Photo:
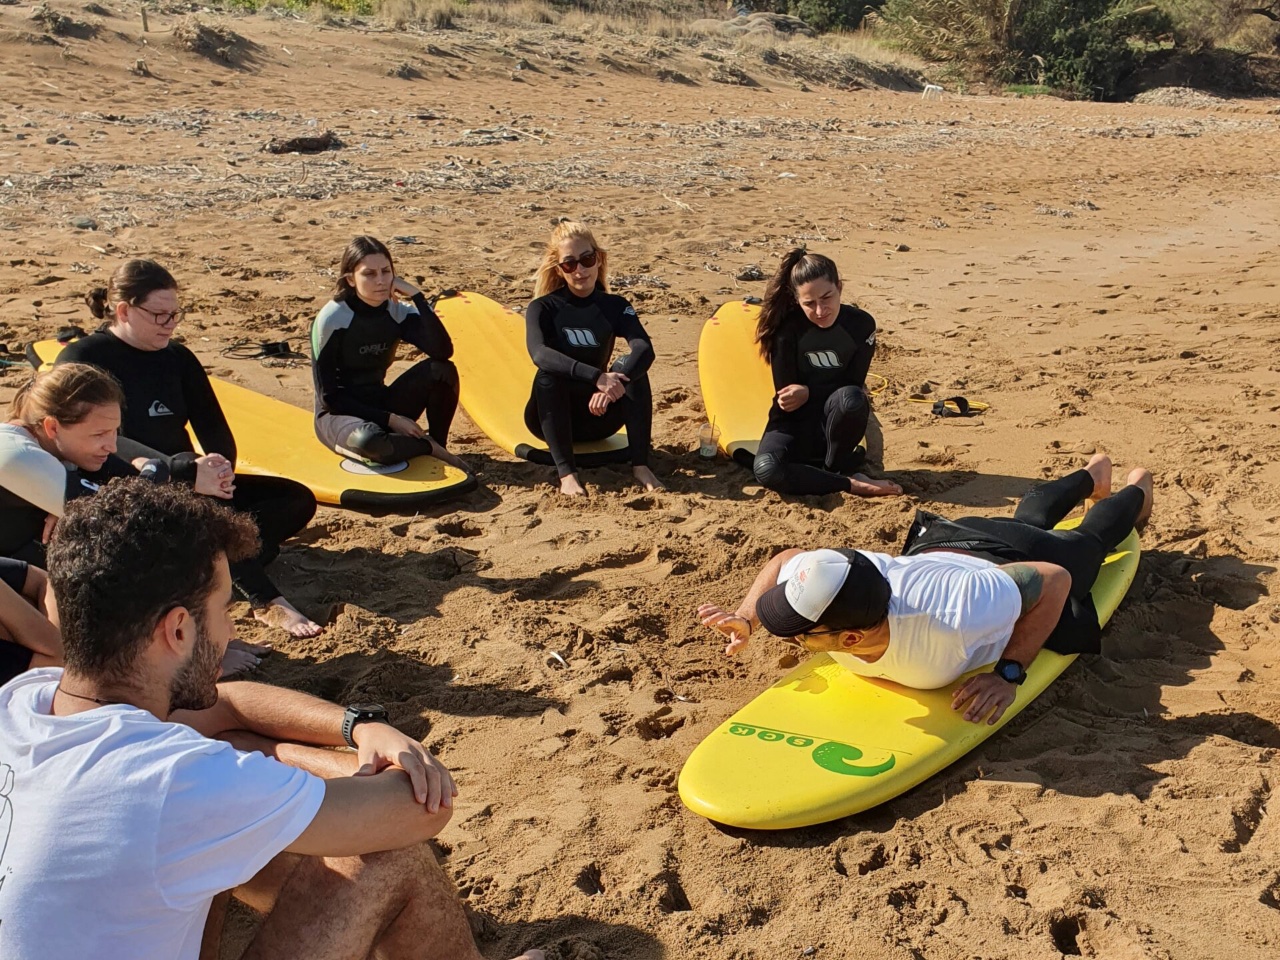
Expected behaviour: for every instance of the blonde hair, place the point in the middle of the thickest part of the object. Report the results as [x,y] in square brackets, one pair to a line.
[67,393]
[549,276]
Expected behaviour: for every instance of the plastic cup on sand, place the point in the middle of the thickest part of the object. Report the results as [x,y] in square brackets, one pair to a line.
[708,440]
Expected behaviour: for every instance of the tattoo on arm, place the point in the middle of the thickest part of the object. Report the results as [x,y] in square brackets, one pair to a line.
[1029,581]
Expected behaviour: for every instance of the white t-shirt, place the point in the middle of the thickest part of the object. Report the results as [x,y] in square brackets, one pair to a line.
[121,827]
[948,613]
[29,471]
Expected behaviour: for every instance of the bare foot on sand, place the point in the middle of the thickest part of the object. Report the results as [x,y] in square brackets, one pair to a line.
[1141,477]
[647,479]
[283,614]
[863,486]
[531,955]
[570,486]
[238,661]
[1099,467]
[443,455]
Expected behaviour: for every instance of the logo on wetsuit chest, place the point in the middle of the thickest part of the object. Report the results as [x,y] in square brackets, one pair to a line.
[581,337]
[373,348]
[158,409]
[824,359]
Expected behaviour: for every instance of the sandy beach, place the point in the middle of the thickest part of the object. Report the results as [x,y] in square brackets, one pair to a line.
[1103,275]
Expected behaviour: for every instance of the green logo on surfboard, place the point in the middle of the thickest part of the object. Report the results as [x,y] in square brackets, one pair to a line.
[830,755]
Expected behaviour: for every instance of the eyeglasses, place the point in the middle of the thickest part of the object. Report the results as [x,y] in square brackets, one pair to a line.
[570,264]
[162,319]
[801,639]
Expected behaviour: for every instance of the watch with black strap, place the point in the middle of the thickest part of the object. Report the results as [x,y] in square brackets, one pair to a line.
[359,713]
[1010,670]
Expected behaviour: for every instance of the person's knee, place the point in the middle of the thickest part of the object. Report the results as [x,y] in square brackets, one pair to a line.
[370,442]
[848,400]
[443,371]
[770,471]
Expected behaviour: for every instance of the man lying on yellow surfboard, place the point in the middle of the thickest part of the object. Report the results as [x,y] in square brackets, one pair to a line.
[964,593]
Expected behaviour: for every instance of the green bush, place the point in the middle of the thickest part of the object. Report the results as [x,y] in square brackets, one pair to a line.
[827,15]
[1087,47]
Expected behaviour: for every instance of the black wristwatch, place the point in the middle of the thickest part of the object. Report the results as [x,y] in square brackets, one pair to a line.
[1011,670]
[359,713]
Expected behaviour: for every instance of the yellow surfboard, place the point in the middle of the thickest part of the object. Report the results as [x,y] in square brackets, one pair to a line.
[496,376]
[277,439]
[824,743]
[737,384]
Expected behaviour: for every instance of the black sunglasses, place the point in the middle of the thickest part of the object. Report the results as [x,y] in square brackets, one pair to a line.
[570,264]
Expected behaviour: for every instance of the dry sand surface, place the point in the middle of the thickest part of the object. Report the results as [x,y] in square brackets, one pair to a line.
[1105,276]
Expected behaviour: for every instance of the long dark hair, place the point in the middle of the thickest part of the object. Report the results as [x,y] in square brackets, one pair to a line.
[798,267]
[133,282]
[359,248]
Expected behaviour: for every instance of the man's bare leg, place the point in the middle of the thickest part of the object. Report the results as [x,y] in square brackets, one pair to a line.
[392,905]
[1099,467]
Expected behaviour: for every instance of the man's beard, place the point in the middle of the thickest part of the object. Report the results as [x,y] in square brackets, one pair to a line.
[195,686]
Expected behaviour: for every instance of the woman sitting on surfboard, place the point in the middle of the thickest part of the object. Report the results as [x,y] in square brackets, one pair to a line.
[819,351]
[963,594]
[571,329]
[353,343]
[165,389]
[60,444]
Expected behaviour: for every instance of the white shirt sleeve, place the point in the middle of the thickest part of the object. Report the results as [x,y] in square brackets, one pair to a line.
[225,815]
[30,472]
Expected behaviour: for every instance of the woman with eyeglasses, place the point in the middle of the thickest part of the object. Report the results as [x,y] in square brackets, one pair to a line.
[353,343]
[165,389]
[819,350]
[571,329]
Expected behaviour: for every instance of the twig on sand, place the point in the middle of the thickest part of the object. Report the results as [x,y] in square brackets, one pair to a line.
[677,203]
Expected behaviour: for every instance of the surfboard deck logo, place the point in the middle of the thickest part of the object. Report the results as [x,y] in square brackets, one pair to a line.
[831,755]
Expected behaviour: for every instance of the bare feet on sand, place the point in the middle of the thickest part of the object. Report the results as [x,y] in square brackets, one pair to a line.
[863,486]
[570,486]
[283,614]
[1141,477]
[1099,467]
[646,479]
[242,657]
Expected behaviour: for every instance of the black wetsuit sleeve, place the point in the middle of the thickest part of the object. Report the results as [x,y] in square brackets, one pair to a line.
[82,483]
[632,330]
[548,359]
[335,397]
[208,422]
[426,332]
[180,468]
[782,360]
[866,328]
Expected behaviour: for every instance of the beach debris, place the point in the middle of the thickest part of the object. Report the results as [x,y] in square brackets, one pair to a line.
[404,71]
[731,75]
[326,141]
[751,271]
[554,657]
[408,241]
[196,36]
[84,223]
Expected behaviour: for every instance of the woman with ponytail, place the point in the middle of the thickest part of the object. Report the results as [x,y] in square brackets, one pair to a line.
[166,389]
[571,328]
[819,350]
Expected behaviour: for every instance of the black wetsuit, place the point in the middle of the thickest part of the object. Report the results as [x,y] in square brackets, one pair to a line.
[14,657]
[571,341]
[814,449]
[164,391]
[1029,535]
[353,346]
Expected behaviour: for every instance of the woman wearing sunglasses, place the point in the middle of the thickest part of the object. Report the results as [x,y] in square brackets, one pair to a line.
[353,342]
[571,329]
[819,351]
[166,389]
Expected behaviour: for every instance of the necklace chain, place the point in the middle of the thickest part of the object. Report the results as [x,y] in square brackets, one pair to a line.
[81,696]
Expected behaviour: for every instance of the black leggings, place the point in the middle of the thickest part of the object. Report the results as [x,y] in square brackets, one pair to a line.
[789,452]
[281,508]
[1081,550]
[557,413]
[429,386]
